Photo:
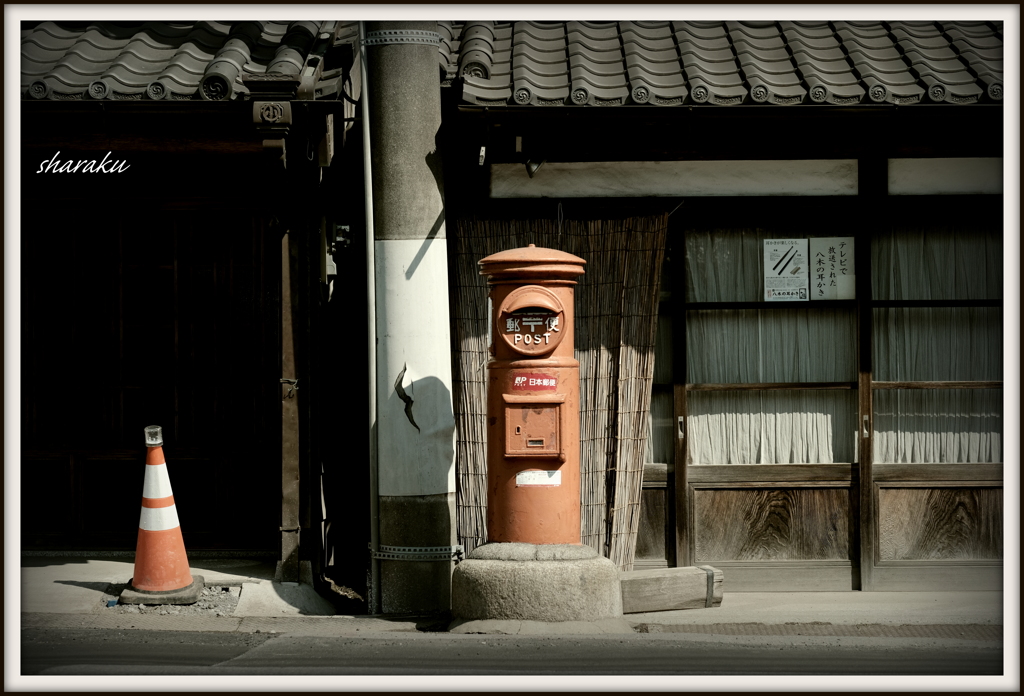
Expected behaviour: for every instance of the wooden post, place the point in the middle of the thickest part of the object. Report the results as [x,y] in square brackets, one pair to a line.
[872,190]
[289,562]
[680,505]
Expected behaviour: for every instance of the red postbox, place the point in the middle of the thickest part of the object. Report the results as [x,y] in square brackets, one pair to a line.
[533,387]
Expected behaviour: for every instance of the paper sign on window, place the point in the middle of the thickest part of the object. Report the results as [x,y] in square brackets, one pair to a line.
[786,271]
[833,276]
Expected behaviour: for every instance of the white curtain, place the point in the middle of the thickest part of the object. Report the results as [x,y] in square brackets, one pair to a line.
[929,263]
[932,426]
[726,265]
[661,434]
[771,345]
[772,427]
[782,344]
[938,344]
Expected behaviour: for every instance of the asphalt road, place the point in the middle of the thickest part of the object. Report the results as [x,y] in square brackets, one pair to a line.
[140,652]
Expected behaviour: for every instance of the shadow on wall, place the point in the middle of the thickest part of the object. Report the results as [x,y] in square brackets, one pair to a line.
[420,463]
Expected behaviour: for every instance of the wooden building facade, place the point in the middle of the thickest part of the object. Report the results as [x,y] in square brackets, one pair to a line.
[832,444]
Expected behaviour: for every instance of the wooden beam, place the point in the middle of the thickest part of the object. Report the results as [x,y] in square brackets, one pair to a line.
[770,386]
[937,303]
[761,304]
[671,589]
[937,385]
[669,178]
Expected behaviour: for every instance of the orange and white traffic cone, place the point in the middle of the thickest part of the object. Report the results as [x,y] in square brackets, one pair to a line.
[161,566]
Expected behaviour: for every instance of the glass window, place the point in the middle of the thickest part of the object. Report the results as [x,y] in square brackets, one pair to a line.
[772,427]
[772,345]
[932,426]
[938,344]
[937,263]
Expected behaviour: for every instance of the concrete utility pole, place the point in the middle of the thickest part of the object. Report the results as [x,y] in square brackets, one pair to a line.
[415,421]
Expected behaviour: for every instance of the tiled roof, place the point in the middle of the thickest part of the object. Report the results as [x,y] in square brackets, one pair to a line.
[177,60]
[723,63]
[534,63]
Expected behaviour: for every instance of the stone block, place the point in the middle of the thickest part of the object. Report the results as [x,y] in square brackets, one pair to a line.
[531,590]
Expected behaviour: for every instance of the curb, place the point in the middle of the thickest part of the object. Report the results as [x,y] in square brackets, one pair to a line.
[316,625]
[978,632]
[367,625]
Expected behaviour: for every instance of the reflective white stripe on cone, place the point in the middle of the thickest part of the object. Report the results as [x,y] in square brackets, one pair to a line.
[161,564]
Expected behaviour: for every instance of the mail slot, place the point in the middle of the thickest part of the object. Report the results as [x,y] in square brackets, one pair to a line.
[533,427]
[533,472]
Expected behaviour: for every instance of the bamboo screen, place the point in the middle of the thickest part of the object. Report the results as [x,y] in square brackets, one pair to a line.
[616,317]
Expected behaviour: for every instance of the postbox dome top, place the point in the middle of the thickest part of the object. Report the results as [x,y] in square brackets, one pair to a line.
[532,262]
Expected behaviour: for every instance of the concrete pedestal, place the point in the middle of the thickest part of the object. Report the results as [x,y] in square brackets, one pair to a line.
[550,583]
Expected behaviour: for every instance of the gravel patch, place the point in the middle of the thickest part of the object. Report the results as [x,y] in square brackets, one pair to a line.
[216,600]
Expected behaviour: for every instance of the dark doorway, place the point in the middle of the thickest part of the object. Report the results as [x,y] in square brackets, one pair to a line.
[167,317]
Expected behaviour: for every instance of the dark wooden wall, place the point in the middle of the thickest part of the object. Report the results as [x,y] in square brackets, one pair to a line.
[140,319]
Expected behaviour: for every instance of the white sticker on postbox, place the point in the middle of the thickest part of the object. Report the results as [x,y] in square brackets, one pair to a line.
[538,478]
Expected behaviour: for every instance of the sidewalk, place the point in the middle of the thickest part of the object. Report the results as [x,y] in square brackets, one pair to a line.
[68,592]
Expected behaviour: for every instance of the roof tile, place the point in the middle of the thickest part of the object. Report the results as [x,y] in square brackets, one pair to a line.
[689,51]
[973,29]
[577,39]
[702,91]
[553,31]
[542,63]
[656,89]
[592,31]
[807,30]
[861,30]
[596,67]
[915,30]
[701,32]
[823,44]
[654,31]
[486,92]
[759,53]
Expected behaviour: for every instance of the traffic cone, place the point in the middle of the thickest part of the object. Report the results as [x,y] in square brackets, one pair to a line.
[161,566]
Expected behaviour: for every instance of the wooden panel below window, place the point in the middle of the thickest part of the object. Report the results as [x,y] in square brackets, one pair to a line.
[650,540]
[940,523]
[771,524]
[948,576]
[786,576]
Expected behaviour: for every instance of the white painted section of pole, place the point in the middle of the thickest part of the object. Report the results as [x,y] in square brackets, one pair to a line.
[703,178]
[371,331]
[945,176]
[416,445]
[156,483]
[159,519]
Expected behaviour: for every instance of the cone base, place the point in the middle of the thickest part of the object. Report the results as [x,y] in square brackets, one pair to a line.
[186,595]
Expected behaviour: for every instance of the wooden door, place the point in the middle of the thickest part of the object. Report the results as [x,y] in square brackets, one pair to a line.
[933,517]
[868,459]
[766,413]
[167,318]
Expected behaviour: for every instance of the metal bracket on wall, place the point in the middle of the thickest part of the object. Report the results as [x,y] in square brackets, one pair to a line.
[402,36]
[418,553]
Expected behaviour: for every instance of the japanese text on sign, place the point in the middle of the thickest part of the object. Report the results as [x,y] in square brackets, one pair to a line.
[786,271]
[833,276]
